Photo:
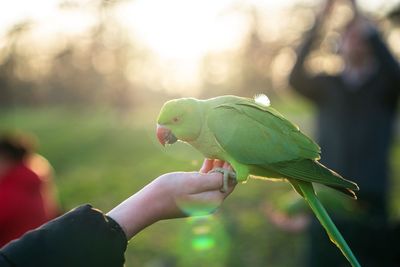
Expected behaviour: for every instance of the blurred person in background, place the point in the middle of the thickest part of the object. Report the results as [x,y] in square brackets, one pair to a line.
[27,193]
[43,169]
[355,126]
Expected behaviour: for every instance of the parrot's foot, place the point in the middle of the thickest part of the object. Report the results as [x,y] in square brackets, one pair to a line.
[226,175]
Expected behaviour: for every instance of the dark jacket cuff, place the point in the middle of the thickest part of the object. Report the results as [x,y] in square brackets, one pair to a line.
[81,237]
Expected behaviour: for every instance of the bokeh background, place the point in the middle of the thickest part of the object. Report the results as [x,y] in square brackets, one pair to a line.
[88,77]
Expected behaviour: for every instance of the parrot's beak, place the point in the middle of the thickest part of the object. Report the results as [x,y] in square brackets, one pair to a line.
[165,136]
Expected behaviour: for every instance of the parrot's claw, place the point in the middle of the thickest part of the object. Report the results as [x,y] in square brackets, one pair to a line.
[226,175]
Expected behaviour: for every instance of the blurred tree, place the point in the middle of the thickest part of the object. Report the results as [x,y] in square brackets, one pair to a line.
[245,71]
[104,65]
[84,69]
[13,88]
[91,71]
[262,62]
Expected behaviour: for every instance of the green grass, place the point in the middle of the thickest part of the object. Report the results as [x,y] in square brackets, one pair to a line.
[102,157]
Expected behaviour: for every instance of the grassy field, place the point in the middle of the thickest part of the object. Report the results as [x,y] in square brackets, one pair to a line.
[102,157]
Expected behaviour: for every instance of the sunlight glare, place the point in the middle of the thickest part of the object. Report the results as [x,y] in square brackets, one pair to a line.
[182,29]
[180,33]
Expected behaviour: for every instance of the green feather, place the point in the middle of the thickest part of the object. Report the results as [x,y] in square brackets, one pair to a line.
[254,136]
[313,171]
[319,211]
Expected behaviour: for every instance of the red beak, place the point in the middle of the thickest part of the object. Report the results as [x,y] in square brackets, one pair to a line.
[165,136]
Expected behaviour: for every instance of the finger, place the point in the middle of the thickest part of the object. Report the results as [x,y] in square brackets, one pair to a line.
[207,182]
[227,166]
[215,195]
[207,165]
[218,163]
[231,187]
[210,185]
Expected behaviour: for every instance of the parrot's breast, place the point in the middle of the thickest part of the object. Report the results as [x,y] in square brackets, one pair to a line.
[208,145]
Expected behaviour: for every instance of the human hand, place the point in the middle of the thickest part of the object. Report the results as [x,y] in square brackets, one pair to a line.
[172,195]
[191,193]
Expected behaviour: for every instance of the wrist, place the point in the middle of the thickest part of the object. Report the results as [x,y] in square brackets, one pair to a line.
[135,213]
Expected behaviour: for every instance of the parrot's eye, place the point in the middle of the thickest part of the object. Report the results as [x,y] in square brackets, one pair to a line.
[175,119]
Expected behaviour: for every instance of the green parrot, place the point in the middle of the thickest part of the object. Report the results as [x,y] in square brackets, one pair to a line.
[257,141]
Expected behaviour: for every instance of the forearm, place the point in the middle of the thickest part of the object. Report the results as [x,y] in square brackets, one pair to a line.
[140,210]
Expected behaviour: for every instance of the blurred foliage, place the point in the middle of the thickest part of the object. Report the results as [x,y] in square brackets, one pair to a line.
[90,69]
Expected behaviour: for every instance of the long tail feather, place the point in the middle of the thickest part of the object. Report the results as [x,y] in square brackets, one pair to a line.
[333,233]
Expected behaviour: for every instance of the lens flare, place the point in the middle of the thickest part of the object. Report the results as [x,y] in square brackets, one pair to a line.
[203,241]
[193,208]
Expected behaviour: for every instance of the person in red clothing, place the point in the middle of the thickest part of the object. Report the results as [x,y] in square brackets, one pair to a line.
[24,204]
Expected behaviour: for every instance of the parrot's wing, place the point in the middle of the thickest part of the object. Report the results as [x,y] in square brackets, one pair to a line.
[313,171]
[258,135]
[254,134]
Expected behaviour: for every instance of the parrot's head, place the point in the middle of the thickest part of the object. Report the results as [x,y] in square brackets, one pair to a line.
[179,119]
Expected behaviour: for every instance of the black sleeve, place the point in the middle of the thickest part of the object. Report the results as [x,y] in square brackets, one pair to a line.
[81,237]
[387,61]
[301,81]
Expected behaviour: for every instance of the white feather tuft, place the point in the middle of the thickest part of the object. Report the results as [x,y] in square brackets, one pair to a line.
[262,100]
